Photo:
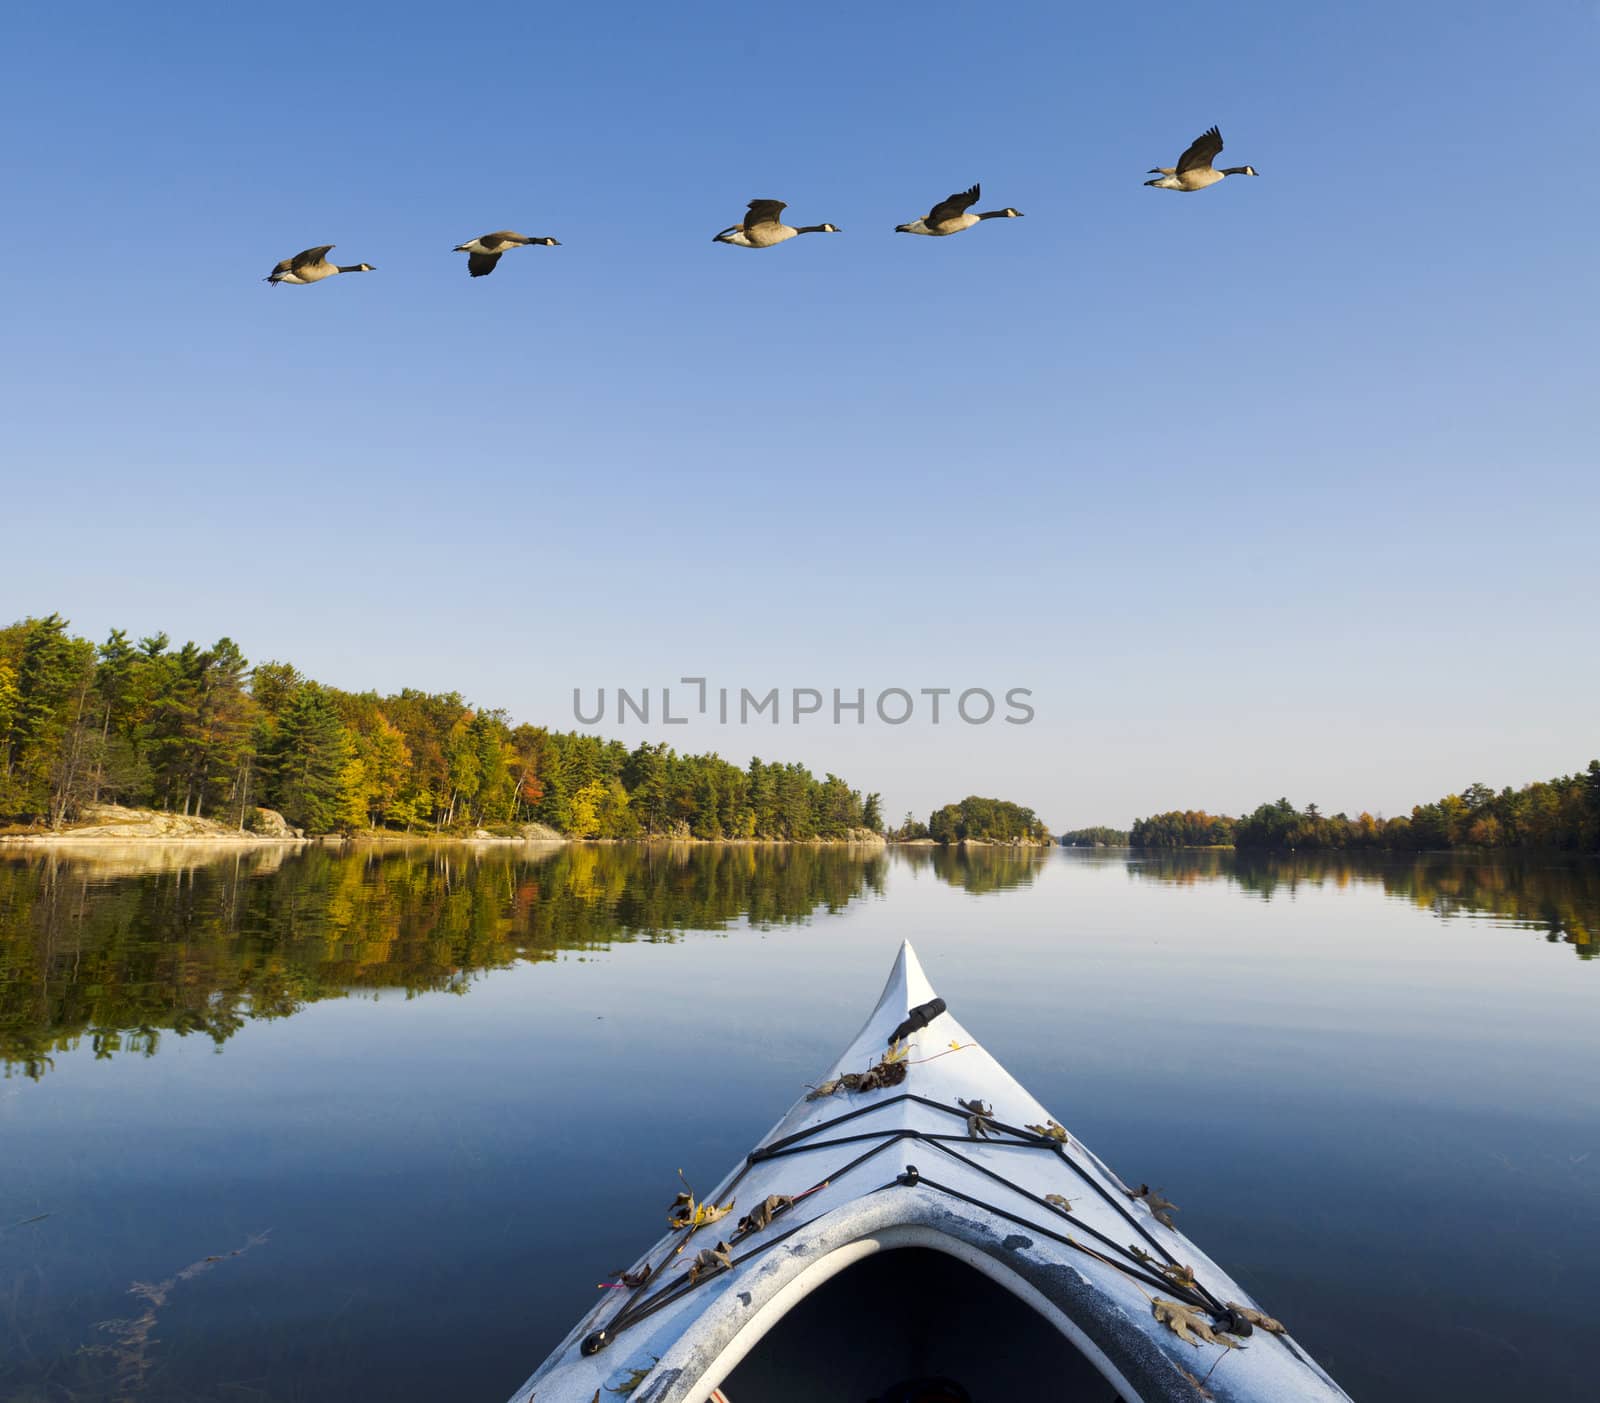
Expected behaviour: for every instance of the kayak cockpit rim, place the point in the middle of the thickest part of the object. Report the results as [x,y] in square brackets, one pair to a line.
[894,1238]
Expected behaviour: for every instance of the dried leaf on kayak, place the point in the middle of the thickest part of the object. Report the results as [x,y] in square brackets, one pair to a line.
[1189,1325]
[686,1212]
[1259,1320]
[1162,1208]
[1059,1201]
[762,1214]
[980,1118]
[1199,1384]
[635,1279]
[1051,1131]
[634,1379]
[710,1259]
[1178,1276]
[888,1070]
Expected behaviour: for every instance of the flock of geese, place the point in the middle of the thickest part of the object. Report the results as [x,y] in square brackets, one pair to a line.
[763,227]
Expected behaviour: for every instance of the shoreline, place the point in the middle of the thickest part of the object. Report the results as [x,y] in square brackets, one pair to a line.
[102,839]
[110,825]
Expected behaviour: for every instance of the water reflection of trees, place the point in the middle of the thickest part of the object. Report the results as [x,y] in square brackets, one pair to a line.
[202,942]
[978,869]
[1555,894]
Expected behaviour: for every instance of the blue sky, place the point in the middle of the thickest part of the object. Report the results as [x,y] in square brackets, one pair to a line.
[1285,487]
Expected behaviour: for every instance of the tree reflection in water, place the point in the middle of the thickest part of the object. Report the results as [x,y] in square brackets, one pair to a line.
[121,947]
[978,869]
[1553,893]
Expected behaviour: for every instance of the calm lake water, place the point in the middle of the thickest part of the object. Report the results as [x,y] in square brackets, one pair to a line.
[432,1097]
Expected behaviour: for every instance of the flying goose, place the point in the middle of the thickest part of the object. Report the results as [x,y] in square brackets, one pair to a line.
[950,216]
[484,251]
[312,266]
[1193,171]
[761,227]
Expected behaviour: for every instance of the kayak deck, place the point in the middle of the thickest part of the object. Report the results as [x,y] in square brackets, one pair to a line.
[925,1144]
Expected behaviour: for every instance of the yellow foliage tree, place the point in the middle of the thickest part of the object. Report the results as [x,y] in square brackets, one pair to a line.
[585,808]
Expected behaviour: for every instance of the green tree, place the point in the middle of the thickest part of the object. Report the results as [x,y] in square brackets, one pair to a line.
[872,812]
[310,763]
[51,670]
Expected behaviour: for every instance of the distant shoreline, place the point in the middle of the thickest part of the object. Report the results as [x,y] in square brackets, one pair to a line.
[232,838]
[384,840]
[100,838]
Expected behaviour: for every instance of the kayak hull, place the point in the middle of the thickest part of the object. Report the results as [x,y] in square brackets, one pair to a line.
[905,1166]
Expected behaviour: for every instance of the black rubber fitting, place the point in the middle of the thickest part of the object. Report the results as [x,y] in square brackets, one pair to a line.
[1234,1323]
[919,1017]
[910,1178]
[593,1344]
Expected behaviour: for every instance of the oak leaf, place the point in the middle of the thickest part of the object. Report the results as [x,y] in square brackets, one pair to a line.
[1161,1208]
[1187,1323]
[708,1260]
[1178,1276]
[980,1118]
[762,1214]
[685,1212]
[634,1379]
[1051,1131]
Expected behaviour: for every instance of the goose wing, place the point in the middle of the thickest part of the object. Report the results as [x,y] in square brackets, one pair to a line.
[480,265]
[500,240]
[1202,151]
[953,205]
[764,212]
[309,256]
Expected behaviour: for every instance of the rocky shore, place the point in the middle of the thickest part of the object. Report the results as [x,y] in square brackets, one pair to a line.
[111,823]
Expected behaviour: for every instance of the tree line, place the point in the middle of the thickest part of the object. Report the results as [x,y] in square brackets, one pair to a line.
[1182,828]
[1561,814]
[199,731]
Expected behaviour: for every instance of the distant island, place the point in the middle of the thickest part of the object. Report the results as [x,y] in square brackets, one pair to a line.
[975,820]
[1561,814]
[196,742]
[1094,838]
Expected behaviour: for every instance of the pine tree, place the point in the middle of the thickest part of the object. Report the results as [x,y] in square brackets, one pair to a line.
[113,683]
[707,822]
[872,813]
[310,763]
[222,723]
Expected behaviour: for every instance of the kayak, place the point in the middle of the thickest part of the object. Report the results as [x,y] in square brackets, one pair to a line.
[918,1229]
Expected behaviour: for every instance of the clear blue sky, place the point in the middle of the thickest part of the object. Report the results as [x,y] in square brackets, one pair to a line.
[1286,487]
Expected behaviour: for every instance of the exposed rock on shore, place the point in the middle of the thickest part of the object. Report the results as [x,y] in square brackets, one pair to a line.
[111,823]
[269,823]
